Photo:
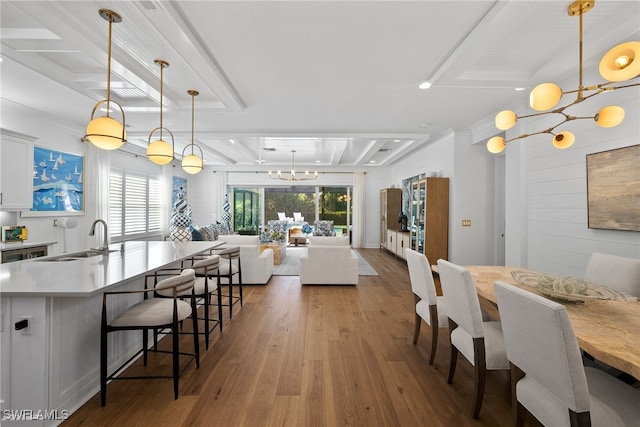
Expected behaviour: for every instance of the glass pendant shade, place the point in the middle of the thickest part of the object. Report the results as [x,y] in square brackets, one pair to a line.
[610,116]
[106,133]
[621,63]
[160,152]
[192,164]
[545,96]
[506,119]
[496,144]
[563,140]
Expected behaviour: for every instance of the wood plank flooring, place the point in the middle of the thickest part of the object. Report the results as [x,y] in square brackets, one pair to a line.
[311,356]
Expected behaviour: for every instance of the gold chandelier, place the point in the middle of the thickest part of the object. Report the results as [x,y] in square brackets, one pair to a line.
[620,64]
[106,132]
[291,176]
[191,163]
[160,151]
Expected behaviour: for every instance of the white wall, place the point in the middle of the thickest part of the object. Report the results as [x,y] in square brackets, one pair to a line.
[376,179]
[547,224]
[471,194]
[50,133]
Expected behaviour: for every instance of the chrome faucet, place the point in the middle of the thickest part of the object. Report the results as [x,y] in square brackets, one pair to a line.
[92,232]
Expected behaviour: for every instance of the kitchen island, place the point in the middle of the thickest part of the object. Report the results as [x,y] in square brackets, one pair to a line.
[53,363]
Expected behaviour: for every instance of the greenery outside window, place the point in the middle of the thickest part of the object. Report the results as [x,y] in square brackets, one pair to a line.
[289,200]
[246,210]
[334,204]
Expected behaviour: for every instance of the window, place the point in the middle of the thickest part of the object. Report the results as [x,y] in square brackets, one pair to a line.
[246,210]
[135,208]
[335,204]
[289,200]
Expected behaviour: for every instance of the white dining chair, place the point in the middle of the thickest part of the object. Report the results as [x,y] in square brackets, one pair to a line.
[548,377]
[615,272]
[429,306]
[479,341]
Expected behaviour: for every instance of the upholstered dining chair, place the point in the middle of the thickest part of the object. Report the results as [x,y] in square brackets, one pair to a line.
[429,306]
[547,375]
[480,342]
[230,267]
[615,272]
[151,314]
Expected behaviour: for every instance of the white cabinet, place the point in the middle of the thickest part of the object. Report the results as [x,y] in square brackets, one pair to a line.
[16,173]
[397,242]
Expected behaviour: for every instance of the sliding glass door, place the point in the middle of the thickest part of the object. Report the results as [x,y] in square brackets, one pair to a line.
[289,200]
[324,203]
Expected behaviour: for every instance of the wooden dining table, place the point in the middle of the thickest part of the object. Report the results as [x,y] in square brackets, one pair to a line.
[609,330]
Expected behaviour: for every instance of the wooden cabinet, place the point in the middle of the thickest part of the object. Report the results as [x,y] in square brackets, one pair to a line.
[390,207]
[16,174]
[429,223]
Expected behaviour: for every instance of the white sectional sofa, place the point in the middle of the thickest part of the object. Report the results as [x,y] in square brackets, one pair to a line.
[329,261]
[257,267]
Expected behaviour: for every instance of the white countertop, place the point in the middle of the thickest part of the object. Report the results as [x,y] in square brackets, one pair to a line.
[22,245]
[84,277]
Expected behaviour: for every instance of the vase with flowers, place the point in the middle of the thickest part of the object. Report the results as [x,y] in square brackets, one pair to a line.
[277,236]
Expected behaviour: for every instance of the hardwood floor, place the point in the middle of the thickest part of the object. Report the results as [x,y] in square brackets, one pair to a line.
[311,356]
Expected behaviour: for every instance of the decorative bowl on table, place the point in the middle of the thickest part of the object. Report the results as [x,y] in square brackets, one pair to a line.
[568,289]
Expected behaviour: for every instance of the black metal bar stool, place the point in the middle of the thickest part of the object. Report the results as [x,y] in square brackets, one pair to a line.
[230,266]
[152,313]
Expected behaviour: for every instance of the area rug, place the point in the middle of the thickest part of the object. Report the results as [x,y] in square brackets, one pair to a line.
[291,264]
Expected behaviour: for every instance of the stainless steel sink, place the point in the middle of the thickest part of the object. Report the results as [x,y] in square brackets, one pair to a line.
[87,254]
[76,256]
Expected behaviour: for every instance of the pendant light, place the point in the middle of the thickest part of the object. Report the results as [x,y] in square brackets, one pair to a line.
[191,163]
[106,132]
[160,151]
[620,64]
[291,176]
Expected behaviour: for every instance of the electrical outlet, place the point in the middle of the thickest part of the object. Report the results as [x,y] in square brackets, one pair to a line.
[466,223]
[24,325]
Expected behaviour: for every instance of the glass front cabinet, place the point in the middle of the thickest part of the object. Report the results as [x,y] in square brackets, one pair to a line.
[429,224]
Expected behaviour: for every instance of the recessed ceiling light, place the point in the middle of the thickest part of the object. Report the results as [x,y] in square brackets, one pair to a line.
[317,161]
[519,88]
[424,85]
[372,161]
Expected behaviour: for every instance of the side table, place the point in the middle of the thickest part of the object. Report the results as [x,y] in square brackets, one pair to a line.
[279,250]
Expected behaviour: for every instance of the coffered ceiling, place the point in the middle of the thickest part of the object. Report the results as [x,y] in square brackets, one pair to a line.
[335,80]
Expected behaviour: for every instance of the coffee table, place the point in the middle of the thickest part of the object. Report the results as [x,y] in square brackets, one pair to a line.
[298,238]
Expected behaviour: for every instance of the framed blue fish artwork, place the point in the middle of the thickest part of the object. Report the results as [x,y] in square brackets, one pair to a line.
[58,183]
